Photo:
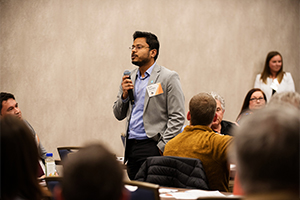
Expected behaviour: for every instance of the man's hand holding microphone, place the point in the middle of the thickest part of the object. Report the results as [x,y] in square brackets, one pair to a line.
[127,87]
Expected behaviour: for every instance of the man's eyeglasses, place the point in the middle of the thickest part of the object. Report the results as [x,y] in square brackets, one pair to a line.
[138,47]
[256,99]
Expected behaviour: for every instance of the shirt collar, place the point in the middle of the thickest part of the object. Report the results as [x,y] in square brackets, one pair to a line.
[148,72]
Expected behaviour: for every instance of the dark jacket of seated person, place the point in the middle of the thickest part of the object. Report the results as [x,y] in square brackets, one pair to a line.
[227,127]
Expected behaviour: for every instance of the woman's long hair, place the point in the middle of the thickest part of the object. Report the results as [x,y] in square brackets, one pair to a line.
[19,160]
[267,72]
[246,103]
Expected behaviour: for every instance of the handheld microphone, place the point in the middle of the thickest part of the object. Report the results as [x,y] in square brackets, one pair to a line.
[130,92]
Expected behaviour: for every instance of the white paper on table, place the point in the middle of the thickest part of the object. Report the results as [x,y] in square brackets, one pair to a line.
[166,190]
[194,194]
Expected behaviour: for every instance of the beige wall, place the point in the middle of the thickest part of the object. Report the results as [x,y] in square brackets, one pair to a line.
[64,59]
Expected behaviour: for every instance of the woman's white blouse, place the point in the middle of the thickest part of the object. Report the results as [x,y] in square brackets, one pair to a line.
[286,85]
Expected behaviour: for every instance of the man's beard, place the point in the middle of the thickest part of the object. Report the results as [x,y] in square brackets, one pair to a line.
[142,62]
[139,63]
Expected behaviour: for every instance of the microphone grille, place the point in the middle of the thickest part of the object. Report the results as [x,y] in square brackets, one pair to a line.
[126,72]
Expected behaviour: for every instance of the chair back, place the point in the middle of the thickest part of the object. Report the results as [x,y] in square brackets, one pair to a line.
[145,191]
[172,171]
[64,151]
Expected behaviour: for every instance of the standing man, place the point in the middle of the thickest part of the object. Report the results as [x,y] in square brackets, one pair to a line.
[9,106]
[156,114]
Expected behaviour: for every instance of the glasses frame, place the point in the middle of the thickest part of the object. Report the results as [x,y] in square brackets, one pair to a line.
[137,48]
[256,99]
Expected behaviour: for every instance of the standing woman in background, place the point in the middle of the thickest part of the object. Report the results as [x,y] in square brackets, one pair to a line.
[273,78]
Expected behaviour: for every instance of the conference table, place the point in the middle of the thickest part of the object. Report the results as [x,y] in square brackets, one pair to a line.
[171,193]
[167,193]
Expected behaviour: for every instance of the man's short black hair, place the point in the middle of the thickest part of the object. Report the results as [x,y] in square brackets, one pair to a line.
[151,40]
[4,96]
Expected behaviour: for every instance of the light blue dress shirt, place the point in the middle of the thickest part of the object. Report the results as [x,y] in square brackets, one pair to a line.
[136,128]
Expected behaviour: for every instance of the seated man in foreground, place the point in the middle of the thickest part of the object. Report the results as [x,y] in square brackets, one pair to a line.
[266,151]
[198,140]
[92,173]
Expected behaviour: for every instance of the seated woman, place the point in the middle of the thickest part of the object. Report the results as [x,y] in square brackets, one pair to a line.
[279,99]
[254,100]
[19,161]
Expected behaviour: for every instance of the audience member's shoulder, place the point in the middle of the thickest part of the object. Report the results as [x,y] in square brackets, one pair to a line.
[288,74]
[258,76]
[228,122]
[222,138]
[227,127]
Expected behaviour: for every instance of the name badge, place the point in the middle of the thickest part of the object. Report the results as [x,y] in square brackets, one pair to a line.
[154,89]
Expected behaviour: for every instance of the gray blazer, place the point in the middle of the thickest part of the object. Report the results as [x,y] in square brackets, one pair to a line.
[164,114]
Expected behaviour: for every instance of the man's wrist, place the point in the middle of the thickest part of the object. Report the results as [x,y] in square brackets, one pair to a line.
[124,100]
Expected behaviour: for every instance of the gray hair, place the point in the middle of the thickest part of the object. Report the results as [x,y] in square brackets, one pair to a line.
[266,150]
[292,98]
[219,98]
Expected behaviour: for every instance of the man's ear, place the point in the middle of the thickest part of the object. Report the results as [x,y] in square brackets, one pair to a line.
[215,117]
[153,52]
[188,116]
